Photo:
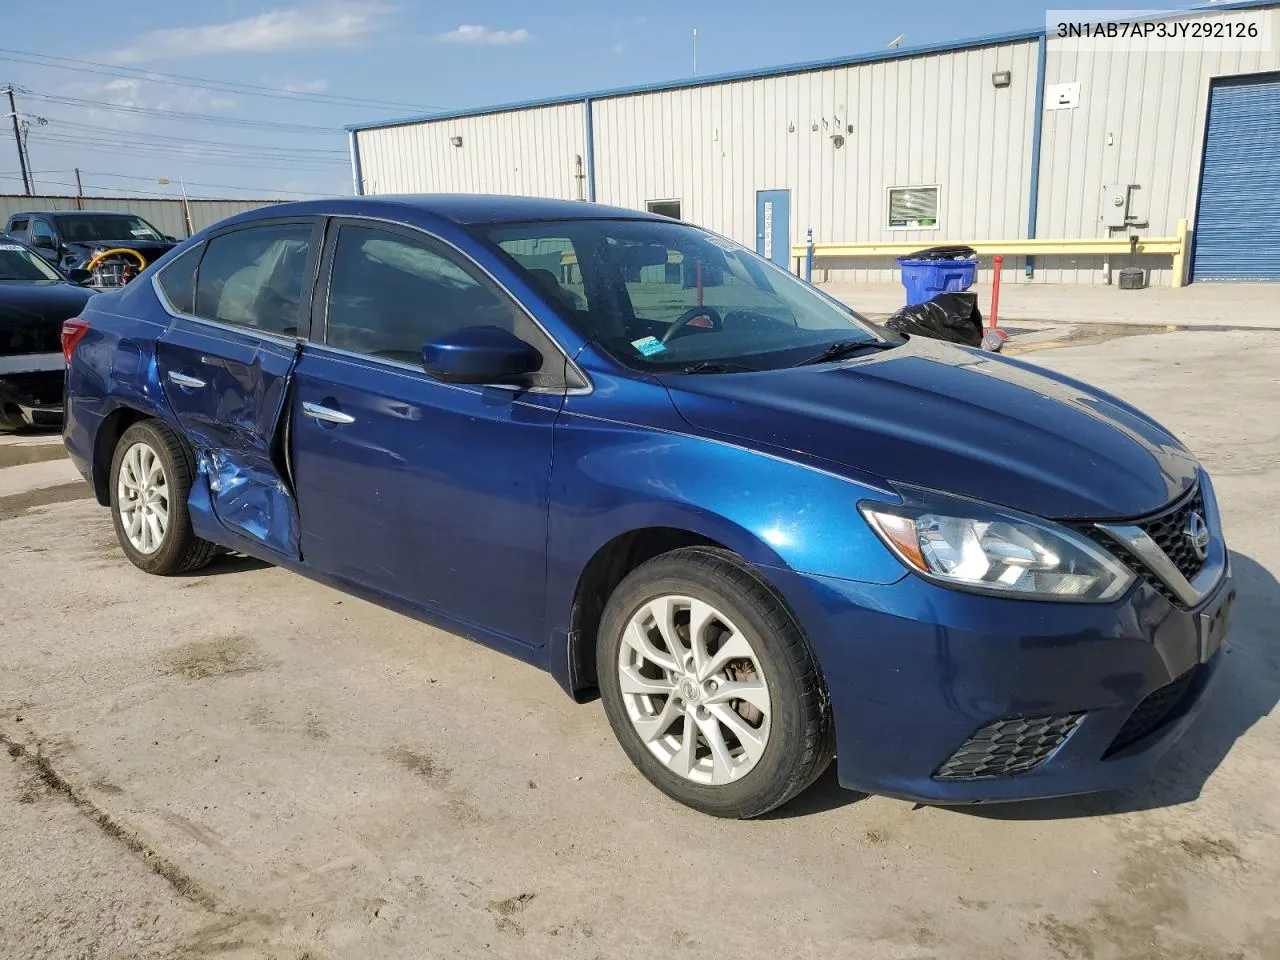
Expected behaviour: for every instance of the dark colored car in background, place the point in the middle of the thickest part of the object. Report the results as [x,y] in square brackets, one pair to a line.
[71,239]
[35,299]
[638,455]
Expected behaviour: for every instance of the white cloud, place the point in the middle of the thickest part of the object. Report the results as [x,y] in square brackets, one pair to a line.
[475,34]
[319,85]
[328,24]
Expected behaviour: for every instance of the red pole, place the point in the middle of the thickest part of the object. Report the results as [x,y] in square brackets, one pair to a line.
[699,264]
[996,262]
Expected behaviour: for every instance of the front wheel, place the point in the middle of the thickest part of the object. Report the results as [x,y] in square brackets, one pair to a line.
[151,476]
[710,686]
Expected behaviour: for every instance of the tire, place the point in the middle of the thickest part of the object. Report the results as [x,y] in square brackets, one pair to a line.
[177,549]
[790,745]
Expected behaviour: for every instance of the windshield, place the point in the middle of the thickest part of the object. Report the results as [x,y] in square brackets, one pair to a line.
[86,227]
[19,263]
[662,297]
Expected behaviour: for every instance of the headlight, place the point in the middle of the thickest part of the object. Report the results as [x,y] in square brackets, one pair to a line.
[973,546]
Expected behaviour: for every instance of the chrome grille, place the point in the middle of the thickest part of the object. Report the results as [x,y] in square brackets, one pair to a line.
[1167,529]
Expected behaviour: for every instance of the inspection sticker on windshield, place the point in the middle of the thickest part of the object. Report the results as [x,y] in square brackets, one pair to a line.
[649,346]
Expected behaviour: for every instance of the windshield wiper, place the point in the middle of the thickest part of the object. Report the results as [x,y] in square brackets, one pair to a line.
[846,348]
[715,366]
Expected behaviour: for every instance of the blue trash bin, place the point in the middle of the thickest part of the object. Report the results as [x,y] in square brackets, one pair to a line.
[925,277]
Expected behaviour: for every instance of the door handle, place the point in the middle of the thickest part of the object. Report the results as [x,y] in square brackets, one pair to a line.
[326,414]
[182,380]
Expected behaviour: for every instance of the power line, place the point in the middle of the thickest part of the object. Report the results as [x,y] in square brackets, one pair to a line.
[199,83]
[169,159]
[144,135]
[157,194]
[182,116]
[197,183]
[193,152]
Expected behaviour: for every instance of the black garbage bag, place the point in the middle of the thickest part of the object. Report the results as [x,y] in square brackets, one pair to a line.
[957,252]
[953,317]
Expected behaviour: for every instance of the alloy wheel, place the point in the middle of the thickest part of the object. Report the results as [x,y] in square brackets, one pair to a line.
[142,498]
[694,689]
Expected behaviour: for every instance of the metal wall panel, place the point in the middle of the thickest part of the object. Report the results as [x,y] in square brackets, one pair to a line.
[538,152]
[165,215]
[1141,119]
[920,120]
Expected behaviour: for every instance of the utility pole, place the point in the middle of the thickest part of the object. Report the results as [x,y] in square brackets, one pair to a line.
[79,191]
[186,203]
[17,142]
[695,53]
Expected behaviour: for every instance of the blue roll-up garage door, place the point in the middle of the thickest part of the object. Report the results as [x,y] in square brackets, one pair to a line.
[1238,223]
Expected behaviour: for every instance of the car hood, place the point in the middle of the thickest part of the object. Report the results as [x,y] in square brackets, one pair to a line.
[31,314]
[935,415]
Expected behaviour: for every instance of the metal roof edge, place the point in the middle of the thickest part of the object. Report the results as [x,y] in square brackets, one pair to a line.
[901,53]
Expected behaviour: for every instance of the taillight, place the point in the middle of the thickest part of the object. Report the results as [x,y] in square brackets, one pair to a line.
[73,331]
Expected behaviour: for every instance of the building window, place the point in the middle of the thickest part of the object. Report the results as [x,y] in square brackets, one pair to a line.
[666,208]
[913,208]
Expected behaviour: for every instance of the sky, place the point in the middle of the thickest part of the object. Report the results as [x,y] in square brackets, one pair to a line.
[267,85]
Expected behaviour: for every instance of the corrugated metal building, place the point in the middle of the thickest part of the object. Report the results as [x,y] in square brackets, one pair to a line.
[1021,135]
[165,215]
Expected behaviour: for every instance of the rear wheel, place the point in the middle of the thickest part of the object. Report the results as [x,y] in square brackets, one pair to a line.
[151,475]
[709,685]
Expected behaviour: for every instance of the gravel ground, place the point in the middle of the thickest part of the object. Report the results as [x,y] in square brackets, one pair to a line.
[245,764]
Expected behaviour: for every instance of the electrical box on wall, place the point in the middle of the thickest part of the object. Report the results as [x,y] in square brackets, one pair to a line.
[1115,204]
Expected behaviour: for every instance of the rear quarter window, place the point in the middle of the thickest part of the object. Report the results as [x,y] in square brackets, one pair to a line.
[178,280]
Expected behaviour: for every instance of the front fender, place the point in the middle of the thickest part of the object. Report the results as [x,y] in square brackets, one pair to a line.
[612,477]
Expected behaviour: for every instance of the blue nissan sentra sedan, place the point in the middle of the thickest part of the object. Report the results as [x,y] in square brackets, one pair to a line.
[634,453]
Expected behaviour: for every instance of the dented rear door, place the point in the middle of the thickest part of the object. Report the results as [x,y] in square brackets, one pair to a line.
[226,365]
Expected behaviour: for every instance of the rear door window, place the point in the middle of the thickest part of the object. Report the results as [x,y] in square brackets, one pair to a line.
[255,277]
[18,227]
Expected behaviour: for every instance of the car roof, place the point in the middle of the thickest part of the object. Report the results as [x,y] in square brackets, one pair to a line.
[461,208]
[55,213]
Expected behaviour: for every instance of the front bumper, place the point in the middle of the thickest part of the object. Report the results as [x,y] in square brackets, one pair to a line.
[31,390]
[914,670]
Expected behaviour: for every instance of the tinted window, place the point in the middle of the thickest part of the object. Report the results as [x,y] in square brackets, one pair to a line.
[82,227]
[178,280]
[254,277]
[389,294]
[19,263]
[18,226]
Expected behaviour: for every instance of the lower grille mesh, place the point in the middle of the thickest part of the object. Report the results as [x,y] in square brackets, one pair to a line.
[1008,747]
[1152,712]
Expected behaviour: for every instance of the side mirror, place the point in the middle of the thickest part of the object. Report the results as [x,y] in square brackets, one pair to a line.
[44,242]
[80,275]
[487,355]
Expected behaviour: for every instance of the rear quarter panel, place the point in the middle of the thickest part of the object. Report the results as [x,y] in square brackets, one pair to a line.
[113,367]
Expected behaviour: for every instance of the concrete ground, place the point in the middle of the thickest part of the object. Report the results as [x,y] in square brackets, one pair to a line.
[1251,305]
[243,764]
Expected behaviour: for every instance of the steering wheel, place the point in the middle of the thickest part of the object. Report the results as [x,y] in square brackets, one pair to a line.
[682,321]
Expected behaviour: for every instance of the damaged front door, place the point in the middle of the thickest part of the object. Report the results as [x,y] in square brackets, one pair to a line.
[227,370]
